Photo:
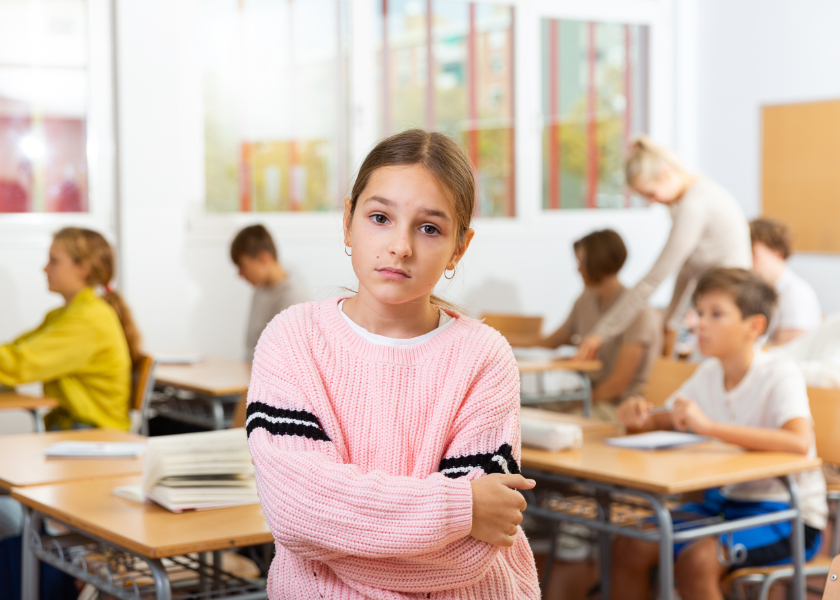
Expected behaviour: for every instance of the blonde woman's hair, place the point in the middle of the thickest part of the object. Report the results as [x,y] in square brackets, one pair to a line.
[645,160]
[91,249]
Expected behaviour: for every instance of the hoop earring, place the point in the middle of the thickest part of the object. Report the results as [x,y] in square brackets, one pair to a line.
[450,278]
[347,253]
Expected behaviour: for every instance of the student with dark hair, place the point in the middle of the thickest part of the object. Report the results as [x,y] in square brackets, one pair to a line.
[275,290]
[756,400]
[799,309]
[627,357]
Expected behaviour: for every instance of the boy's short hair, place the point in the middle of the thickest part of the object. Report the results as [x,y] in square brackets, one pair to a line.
[250,242]
[773,234]
[748,290]
[604,254]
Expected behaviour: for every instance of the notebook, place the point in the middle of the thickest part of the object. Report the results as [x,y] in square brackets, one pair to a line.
[95,450]
[196,471]
[657,440]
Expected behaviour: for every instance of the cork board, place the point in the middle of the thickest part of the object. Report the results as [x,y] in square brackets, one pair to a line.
[800,172]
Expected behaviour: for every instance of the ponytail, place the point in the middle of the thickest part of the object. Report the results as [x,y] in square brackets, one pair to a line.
[646,159]
[132,334]
[89,248]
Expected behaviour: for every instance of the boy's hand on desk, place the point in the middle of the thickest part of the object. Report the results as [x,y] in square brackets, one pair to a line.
[687,415]
[634,412]
[589,346]
[497,507]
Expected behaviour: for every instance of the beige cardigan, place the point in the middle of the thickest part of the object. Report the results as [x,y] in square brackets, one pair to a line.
[710,230]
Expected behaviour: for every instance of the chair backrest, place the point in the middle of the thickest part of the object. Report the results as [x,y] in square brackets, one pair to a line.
[240,414]
[825,408]
[832,586]
[515,324]
[666,377]
[142,380]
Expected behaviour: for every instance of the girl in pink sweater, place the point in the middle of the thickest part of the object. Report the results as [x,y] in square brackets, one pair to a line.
[384,428]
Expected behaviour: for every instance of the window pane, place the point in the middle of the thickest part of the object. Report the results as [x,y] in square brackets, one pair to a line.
[275,93]
[43,106]
[447,66]
[594,100]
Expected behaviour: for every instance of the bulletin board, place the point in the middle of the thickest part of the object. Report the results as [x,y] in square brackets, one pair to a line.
[800,172]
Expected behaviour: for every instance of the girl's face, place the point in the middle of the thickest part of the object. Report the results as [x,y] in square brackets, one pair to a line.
[64,276]
[403,234]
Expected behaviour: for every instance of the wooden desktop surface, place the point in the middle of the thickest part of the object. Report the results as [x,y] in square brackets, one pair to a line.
[213,376]
[588,425]
[22,460]
[528,365]
[147,529]
[9,400]
[688,469]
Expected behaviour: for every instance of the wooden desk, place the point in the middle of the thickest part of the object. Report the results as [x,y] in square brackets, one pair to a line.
[23,462]
[218,383]
[689,469]
[602,478]
[145,530]
[211,377]
[34,404]
[541,367]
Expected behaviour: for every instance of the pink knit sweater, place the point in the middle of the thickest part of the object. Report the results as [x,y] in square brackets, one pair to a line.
[364,456]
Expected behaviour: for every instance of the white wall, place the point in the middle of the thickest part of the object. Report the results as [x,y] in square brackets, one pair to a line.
[753,53]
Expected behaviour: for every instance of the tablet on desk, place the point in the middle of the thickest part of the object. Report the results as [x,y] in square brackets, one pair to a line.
[657,440]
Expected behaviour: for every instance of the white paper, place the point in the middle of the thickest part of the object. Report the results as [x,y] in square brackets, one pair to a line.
[657,440]
[95,450]
[178,359]
[130,492]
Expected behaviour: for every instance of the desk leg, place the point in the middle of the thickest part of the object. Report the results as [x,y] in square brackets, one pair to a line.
[666,550]
[587,395]
[605,545]
[39,420]
[163,590]
[31,566]
[218,413]
[797,535]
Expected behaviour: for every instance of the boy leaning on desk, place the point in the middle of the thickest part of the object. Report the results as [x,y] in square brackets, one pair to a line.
[742,396]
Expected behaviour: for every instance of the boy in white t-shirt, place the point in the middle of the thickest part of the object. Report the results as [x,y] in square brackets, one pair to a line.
[798,309]
[741,396]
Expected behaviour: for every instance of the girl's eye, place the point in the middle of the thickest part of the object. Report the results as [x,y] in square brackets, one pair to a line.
[429,229]
[379,218]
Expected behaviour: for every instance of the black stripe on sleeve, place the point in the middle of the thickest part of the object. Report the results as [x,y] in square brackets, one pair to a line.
[280,421]
[500,461]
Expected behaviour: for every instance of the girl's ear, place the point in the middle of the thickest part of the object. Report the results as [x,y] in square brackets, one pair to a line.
[461,249]
[348,216]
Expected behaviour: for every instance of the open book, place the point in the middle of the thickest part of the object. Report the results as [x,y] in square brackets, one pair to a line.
[197,471]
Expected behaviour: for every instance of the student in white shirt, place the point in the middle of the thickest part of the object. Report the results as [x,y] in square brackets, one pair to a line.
[744,397]
[799,309]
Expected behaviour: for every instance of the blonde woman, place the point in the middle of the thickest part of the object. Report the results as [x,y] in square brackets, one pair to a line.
[82,351]
[709,230]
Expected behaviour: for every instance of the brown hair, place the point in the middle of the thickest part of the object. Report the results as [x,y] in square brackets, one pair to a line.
[773,234]
[442,157]
[90,249]
[603,252]
[645,160]
[748,291]
[250,242]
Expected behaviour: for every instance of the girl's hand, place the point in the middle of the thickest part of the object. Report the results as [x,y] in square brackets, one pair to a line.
[687,415]
[589,346]
[633,412]
[497,507]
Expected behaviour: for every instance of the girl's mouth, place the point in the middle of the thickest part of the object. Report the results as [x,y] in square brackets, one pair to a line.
[393,273]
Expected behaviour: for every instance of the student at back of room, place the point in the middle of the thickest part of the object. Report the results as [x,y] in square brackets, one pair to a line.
[627,357]
[254,253]
[384,425]
[82,351]
[798,311]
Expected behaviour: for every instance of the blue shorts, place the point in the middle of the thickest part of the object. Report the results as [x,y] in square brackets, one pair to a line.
[766,545]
